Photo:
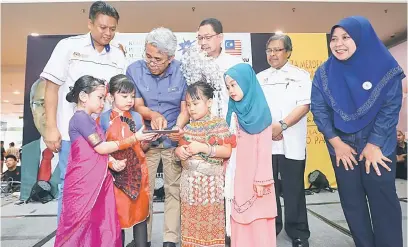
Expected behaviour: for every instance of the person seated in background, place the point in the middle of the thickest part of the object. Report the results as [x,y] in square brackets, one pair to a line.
[12,150]
[401,152]
[13,172]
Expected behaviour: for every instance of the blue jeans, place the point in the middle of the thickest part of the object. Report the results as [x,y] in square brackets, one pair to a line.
[62,163]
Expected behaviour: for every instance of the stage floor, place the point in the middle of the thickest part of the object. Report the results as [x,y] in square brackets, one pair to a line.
[34,224]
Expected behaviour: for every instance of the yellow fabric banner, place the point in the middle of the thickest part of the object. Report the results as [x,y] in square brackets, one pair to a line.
[309,52]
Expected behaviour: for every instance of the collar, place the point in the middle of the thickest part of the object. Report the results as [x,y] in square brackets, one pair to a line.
[91,42]
[169,70]
[285,68]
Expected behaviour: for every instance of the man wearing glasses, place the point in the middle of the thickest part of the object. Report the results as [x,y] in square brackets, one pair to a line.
[34,152]
[210,37]
[161,100]
[287,89]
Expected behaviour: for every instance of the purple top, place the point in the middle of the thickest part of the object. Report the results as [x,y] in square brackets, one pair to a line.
[82,124]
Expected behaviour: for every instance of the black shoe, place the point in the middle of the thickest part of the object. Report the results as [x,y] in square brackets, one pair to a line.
[300,243]
[149,244]
[169,244]
[131,244]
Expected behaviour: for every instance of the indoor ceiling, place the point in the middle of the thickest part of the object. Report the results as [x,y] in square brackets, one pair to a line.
[19,20]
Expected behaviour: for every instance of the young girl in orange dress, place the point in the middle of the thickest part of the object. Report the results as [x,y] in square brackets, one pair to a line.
[204,148]
[131,181]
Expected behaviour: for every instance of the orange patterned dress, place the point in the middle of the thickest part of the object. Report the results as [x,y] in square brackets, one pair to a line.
[202,186]
[132,192]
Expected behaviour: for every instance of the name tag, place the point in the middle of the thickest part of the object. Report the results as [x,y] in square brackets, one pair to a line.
[173,89]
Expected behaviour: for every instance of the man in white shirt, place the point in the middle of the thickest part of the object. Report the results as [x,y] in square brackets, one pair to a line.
[287,89]
[89,54]
[210,37]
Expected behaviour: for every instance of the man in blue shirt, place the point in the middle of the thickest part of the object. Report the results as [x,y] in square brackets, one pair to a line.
[160,99]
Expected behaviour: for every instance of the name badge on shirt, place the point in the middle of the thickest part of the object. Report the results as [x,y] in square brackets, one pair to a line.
[173,89]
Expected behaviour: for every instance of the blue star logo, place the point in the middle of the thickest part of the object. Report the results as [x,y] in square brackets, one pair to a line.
[185,45]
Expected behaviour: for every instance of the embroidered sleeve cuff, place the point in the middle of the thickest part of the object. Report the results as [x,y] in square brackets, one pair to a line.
[377,139]
[94,139]
[263,182]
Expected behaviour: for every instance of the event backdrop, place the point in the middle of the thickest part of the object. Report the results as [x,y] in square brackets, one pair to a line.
[309,51]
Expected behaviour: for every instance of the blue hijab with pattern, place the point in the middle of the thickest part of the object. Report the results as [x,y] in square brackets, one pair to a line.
[252,111]
[357,87]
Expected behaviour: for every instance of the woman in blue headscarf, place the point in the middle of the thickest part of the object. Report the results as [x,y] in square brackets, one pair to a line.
[356,99]
[249,189]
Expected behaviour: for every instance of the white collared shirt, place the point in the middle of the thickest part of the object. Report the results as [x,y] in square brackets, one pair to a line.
[285,89]
[54,160]
[72,58]
[224,62]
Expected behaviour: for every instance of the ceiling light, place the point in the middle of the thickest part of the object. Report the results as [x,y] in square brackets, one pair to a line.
[16,92]
[279,32]
[35,34]
[6,101]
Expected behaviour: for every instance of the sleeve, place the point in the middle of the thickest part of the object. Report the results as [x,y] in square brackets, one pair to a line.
[304,92]
[322,114]
[387,118]
[263,173]
[86,127]
[129,75]
[56,69]
[184,93]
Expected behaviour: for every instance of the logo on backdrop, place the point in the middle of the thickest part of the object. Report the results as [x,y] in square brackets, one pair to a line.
[185,45]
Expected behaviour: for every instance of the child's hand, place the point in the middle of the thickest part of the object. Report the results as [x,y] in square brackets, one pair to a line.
[176,136]
[140,136]
[118,165]
[182,152]
[259,190]
[197,147]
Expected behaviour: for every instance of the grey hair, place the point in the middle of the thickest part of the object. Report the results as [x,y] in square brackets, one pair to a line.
[287,42]
[34,88]
[163,39]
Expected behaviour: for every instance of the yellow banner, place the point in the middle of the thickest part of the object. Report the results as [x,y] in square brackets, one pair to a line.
[309,52]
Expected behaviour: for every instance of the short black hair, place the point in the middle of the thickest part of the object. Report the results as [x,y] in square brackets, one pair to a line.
[121,84]
[206,90]
[10,156]
[101,7]
[86,84]
[12,144]
[2,142]
[215,23]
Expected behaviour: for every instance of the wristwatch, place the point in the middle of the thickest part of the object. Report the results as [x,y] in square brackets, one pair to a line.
[283,125]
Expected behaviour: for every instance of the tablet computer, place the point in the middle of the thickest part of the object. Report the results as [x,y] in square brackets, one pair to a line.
[161,132]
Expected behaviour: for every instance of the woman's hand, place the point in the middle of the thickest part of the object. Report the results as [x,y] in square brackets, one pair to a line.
[344,153]
[373,156]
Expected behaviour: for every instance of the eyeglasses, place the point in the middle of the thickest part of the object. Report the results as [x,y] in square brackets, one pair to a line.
[37,104]
[274,50]
[208,38]
[154,60]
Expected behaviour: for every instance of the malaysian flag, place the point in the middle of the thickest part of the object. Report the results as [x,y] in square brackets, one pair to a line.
[233,47]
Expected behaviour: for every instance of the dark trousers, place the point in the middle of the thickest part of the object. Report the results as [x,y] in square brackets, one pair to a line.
[292,183]
[381,228]
[139,235]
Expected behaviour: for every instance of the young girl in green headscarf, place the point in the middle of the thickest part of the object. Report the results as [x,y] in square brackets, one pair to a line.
[249,185]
